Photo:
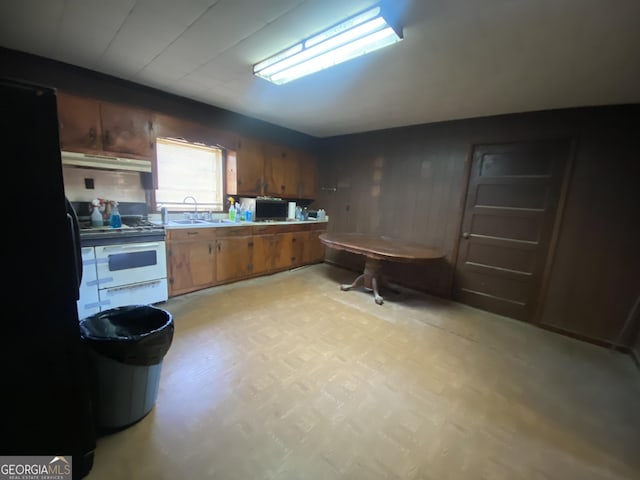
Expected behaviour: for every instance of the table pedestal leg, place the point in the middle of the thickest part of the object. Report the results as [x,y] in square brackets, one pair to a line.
[356,282]
[371,279]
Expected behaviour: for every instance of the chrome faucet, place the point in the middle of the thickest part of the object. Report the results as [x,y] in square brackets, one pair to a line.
[195,202]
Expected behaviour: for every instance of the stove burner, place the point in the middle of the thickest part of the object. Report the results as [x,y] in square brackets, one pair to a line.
[142,231]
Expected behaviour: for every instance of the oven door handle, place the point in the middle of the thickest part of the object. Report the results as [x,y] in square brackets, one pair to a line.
[132,246]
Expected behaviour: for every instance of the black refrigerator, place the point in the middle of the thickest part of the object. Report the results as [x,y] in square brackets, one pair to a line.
[45,406]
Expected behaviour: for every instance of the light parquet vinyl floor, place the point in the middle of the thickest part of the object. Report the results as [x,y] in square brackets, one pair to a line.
[287,377]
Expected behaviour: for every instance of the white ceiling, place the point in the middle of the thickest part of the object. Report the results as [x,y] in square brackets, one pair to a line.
[459,58]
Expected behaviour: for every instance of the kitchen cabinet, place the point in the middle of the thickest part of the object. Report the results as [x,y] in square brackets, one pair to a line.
[79,122]
[307,175]
[249,168]
[126,130]
[271,252]
[234,250]
[176,127]
[306,247]
[202,257]
[262,168]
[191,259]
[93,126]
[313,250]
[280,172]
[235,258]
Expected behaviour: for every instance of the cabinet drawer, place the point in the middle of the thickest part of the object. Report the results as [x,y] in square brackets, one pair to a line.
[201,233]
[270,229]
[224,232]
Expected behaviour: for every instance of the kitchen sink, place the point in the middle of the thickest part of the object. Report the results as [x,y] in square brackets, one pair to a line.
[217,220]
[188,222]
[198,221]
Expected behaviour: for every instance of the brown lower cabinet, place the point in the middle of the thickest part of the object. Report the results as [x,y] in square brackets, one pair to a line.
[235,257]
[203,257]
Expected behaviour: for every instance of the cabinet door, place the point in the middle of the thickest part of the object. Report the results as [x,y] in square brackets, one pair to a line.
[263,253]
[79,120]
[250,167]
[297,243]
[191,266]
[283,256]
[307,176]
[313,247]
[234,258]
[126,130]
[281,172]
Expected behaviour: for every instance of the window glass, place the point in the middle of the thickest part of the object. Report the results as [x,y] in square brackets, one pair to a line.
[189,170]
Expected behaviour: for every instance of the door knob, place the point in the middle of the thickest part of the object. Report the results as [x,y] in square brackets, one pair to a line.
[465,235]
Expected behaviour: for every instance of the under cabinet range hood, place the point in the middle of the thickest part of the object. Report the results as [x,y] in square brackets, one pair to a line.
[105,162]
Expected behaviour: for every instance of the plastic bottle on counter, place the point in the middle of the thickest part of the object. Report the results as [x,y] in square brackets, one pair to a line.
[232,213]
[115,220]
[96,217]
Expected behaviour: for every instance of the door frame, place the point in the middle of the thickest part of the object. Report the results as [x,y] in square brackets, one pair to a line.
[557,222]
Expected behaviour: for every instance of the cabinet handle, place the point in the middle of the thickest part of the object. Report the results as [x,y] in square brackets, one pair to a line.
[218,247]
[210,249]
[192,233]
[250,244]
[92,134]
[107,139]
[150,145]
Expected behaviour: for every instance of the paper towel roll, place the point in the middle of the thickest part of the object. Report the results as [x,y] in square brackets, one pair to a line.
[292,210]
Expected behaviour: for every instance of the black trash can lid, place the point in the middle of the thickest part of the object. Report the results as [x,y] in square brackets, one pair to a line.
[134,334]
[126,323]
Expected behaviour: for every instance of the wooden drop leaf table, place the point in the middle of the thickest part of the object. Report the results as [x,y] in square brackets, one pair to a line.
[377,249]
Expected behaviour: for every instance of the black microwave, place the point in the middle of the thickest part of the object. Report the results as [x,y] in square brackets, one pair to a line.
[264,209]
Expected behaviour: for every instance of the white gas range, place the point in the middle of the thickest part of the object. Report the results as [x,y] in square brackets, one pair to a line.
[122,266]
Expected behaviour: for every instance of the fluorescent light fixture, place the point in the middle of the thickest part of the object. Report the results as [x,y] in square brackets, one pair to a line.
[363,33]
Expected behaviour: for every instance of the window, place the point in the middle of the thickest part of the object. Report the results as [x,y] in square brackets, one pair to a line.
[189,170]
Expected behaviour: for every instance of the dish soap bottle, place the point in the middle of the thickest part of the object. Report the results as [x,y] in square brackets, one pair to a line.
[232,213]
[115,220]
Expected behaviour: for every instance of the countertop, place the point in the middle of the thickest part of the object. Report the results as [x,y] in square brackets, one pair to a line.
[221,223]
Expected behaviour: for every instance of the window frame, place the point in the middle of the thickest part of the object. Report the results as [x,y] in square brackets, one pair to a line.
[153,201]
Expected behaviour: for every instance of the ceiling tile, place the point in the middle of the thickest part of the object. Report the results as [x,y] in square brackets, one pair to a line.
[30,25]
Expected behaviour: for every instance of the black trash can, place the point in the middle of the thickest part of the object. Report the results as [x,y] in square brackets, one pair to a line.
[127,346]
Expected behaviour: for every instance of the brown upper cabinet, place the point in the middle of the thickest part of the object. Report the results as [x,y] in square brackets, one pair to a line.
[175,127]
[93,126]
[263,168]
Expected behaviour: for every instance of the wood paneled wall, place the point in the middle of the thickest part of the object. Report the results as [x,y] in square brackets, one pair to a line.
[409,183]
